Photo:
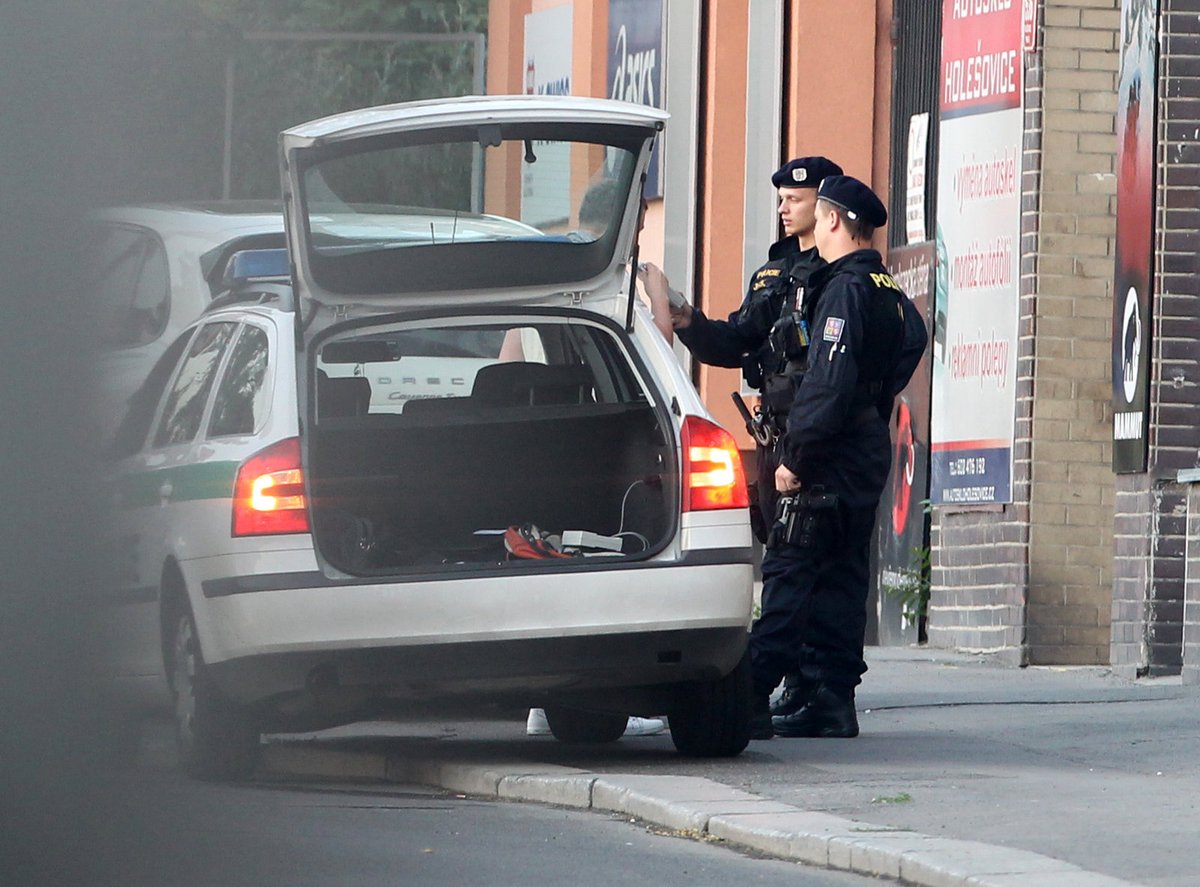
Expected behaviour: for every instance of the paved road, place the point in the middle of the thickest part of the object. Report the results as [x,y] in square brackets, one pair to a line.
[1070,764]
[147,826]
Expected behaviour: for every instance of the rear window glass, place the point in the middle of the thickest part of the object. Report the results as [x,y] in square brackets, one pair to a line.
[130,286]
[184,408]
[241,401]
[471,206]
[474,366]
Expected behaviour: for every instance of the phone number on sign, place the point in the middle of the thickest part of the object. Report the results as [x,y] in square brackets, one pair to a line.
[968,466]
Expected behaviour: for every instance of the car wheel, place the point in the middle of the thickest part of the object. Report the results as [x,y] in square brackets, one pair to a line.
[216,738]
[712,720]
[577,726]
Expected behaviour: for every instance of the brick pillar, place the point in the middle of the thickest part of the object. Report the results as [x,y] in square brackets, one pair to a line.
[1191,585]
[1155,538]
[1071,498]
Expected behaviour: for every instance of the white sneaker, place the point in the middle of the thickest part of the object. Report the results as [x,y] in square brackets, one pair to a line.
[645,726]
[536,724]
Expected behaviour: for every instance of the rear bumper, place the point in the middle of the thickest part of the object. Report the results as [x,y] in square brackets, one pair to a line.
[529,633]
[624,666]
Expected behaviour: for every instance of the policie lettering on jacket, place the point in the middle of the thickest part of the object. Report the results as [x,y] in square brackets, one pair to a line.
[867,339]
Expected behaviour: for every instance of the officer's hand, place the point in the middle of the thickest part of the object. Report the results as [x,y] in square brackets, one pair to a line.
[785,481]
[681,317]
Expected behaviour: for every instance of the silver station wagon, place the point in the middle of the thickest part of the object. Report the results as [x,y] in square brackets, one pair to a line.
[436,453]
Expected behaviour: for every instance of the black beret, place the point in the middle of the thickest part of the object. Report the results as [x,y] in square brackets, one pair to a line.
[855,198]
[804,172]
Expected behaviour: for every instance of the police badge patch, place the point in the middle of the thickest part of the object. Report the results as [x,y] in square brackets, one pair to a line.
[833,329]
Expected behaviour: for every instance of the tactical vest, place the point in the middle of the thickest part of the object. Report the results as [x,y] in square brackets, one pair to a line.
[771,315]
[784,359]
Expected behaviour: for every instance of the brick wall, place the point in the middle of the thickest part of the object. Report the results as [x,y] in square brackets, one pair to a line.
[1152,541]
[1191,590]
[1071,507]
[977,600]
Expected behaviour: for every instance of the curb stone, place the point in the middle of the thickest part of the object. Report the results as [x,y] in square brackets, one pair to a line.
[695,805]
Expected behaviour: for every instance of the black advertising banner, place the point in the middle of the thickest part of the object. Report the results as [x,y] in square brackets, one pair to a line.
[635,63]
[900,522]
[1131,345]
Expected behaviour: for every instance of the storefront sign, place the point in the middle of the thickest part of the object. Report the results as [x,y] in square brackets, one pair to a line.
[635,62]
[978,253]
[1135,234]
[1029,25]
[914,198]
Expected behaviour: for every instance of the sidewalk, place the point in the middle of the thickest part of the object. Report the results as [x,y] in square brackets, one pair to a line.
[967,772]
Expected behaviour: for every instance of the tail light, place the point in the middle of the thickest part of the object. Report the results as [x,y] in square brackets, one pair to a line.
[713,476]
[268,496]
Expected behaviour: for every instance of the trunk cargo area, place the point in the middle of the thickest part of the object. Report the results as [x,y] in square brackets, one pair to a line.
[438,484]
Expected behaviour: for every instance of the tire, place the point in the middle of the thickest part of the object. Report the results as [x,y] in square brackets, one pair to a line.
[713,720]
[217,740]
[576,726]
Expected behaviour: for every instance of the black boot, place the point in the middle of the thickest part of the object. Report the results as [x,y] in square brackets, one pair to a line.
[829,715]
[795,695]
[760,720]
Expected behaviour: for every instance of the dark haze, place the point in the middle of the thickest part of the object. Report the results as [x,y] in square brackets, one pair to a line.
[70,94]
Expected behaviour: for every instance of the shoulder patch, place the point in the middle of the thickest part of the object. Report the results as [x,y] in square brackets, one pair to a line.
[833,329]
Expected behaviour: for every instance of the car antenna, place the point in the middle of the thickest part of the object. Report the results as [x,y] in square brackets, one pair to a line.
[454,228]
[432,234]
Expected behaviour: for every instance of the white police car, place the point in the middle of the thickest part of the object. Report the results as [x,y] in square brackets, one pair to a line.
[543,514]
[152,270]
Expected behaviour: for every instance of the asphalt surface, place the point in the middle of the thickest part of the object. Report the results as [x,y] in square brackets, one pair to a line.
[148,826]
[967,772]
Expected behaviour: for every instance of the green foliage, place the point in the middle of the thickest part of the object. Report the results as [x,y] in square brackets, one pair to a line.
[173,124]
[280,84]
[445,16]
[913,589]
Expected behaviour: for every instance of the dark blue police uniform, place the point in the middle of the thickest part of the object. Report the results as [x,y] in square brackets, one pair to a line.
[745,341]
[760,338]
[866,339]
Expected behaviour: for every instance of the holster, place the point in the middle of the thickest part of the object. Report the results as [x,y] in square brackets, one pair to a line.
[806,520]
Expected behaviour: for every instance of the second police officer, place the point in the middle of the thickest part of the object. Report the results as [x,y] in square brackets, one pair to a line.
[867,338]
[766,338]
[851,340]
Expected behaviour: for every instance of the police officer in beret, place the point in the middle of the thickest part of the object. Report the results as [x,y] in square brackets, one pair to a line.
[866,339]
[767,340]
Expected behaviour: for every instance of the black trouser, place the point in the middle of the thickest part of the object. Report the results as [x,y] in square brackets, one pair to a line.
[814,647]
[816,594]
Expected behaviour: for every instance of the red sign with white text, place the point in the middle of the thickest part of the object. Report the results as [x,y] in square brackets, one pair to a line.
[1029,25]
[981,56]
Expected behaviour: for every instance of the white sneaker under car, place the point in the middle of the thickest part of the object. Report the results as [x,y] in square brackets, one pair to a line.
[645,726]
[536,724]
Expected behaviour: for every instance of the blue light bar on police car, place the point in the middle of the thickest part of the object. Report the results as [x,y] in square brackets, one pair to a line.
[256,264]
